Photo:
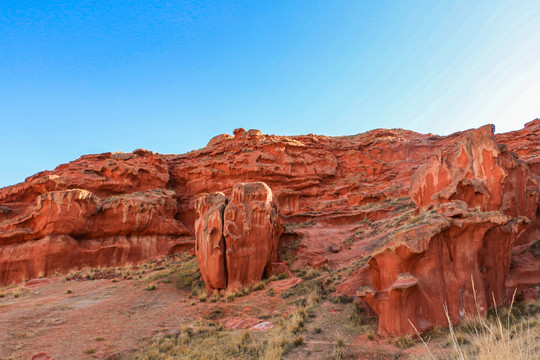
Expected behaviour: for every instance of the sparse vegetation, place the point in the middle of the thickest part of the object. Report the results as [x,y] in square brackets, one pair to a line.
[508,333]
[202,295]
[312,273]
[404,342]
[151,287]
[260,285]
[89,351]
[304,288]
[214,342]
[288,251]
[298,340]
[214,315]
[69,291]
[339,349]
[498,337]
[188,277]
[297,320]
[217,343]
[279,276]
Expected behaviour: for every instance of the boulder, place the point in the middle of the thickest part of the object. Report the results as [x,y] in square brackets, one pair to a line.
[237,239]
[252,231]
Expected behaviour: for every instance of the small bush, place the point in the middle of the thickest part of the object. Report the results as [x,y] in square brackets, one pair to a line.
[69,291]
[89,351]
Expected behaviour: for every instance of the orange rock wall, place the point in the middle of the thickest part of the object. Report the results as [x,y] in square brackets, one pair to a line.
[344,201]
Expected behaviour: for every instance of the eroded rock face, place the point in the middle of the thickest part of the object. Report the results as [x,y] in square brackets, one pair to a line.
[210,243]
[237,239]
[76,228]
[344,201]
[252,231]
[475,201]
[480,172]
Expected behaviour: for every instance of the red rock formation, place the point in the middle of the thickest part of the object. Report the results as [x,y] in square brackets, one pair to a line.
[351,193]
[237,239]
[252,230]
[210,243]
[475,201]
[74,228]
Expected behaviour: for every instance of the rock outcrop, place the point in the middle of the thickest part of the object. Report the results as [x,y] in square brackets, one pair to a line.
[237,239]
[75,228]
[474,201]
[252,230]
[421,207]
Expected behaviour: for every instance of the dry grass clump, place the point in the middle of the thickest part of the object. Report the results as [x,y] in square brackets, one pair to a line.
[339,349]
[496,338]
[404,342]
[279,276]
[312,273]
[151,287]
[260,285]
[230,295]
[202,295]
[508,333]
[298,319]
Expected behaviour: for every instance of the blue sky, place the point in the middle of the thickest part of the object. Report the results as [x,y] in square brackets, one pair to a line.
[79,77]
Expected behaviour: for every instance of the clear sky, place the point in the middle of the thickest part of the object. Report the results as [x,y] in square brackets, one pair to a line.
[80,77]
